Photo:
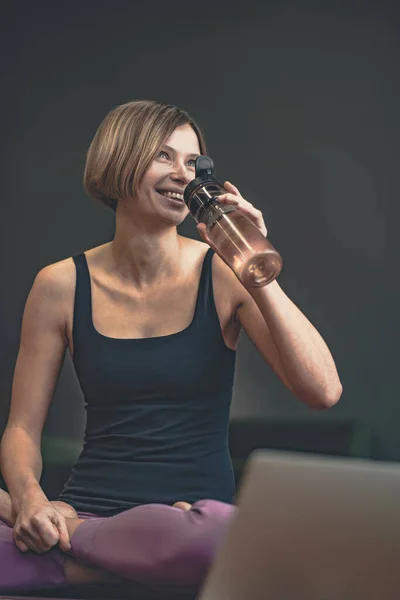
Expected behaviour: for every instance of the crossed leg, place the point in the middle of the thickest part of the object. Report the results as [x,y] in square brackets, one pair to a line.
[151,544]
[154,544]
[75,571]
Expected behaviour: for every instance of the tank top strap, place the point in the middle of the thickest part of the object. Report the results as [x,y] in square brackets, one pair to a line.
[205,307]
[82,304]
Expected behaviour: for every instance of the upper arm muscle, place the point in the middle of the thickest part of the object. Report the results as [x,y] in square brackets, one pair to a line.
[246,313]
[257,330]
[41,353]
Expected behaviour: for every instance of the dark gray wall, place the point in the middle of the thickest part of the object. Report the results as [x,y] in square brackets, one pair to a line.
[299,103]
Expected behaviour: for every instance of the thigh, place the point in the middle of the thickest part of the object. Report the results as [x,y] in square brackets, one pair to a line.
[155,543]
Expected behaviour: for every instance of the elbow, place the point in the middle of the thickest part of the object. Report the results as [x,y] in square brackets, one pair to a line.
[323,401]
[334,395]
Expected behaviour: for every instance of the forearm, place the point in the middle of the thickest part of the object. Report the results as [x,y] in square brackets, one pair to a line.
[305,357]
[21,465]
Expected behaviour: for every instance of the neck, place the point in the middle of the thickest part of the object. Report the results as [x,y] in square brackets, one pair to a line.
[144,253]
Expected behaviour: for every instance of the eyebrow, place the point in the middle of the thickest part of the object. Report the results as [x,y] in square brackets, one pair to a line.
[174,151]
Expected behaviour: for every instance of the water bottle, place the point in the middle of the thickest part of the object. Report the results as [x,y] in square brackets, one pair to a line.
[239,241]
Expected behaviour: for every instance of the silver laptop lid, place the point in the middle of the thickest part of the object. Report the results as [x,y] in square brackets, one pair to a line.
[311,528]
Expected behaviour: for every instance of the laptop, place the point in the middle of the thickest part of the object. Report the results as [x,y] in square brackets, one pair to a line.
[311,527]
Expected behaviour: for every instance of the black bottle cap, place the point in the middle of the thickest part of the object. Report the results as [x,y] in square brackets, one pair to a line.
[204,163]
[204,172]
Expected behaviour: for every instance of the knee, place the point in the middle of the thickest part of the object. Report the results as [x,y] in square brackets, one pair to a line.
[211,519]
[208,523]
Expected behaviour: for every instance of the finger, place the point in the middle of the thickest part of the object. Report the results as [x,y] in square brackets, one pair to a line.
[21,545]
[231,187]
[64,540]
[243,204]
[38,544]
[237,200]
[253,214]
[246,208]
[45,532]
[25,542]
[202,229]
[228,197]
[38,549]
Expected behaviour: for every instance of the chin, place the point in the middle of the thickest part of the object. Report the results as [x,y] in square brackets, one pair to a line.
[173,222]
[177,216]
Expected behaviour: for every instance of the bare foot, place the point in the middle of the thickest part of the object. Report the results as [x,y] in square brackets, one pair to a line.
[182,505]
[65,509]
[6,509]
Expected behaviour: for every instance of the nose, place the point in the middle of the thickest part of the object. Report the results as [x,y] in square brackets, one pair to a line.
[180,172]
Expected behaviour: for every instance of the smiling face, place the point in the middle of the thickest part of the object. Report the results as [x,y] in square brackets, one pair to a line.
[161,189]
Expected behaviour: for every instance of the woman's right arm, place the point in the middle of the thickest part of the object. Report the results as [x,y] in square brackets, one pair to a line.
[41,354]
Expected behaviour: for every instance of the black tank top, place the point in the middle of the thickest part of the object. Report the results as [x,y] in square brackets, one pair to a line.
[157,410]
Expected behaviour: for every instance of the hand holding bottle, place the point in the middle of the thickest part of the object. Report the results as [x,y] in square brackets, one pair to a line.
[234,197]
[232,226]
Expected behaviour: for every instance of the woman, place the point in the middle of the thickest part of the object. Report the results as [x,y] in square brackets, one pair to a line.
[152,321]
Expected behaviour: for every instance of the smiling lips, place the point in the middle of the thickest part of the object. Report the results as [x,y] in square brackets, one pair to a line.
[171,195]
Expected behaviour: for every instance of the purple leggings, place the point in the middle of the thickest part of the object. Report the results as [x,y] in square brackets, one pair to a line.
[152,544]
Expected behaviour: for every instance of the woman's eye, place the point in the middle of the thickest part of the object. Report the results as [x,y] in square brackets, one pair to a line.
[163,154]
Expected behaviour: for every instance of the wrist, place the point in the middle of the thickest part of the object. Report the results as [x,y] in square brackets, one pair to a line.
[32,492]
[269,290]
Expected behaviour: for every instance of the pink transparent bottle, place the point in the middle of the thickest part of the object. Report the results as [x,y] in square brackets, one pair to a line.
[242,245]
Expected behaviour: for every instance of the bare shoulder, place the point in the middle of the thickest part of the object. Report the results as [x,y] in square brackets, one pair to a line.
[50,296]
[57,278]
[60,277]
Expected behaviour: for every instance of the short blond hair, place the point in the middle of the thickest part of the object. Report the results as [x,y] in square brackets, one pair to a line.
[125,145]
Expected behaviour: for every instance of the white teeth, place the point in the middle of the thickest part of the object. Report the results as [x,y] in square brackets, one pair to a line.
[173,195]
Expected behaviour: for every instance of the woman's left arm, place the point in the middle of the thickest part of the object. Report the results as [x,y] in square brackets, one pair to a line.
[285,338]
[291,345]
